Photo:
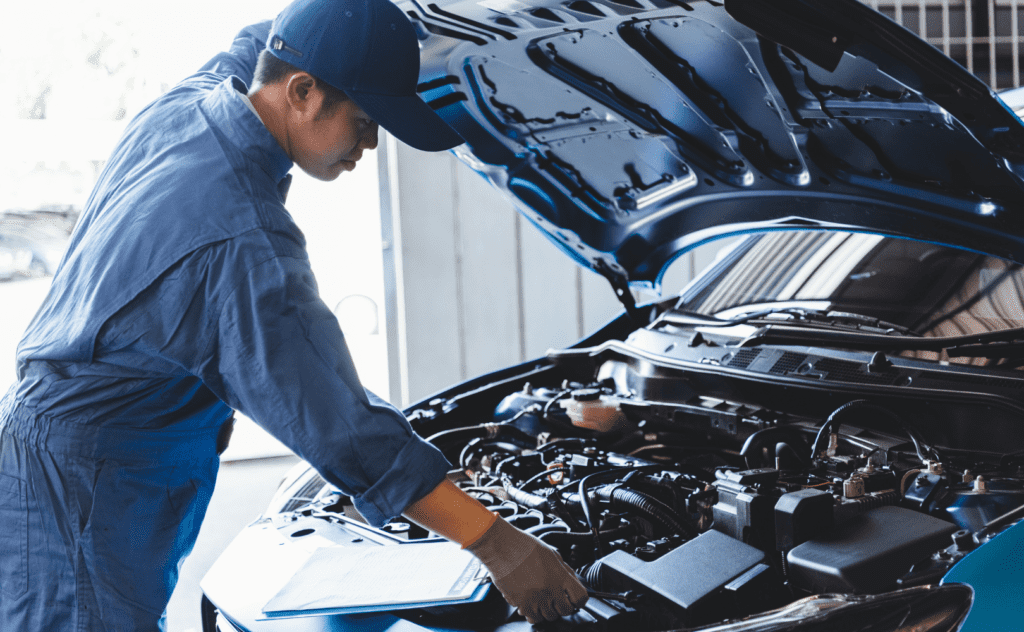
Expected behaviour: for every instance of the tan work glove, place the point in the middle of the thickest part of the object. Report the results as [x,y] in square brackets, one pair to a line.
[530,574]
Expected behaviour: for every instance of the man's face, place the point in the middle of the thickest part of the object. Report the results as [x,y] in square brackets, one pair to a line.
[333,141]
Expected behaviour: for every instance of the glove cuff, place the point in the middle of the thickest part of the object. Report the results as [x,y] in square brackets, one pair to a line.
[476,538]
[502,548]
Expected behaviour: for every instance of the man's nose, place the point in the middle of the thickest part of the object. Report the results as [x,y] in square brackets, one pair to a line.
[370,138]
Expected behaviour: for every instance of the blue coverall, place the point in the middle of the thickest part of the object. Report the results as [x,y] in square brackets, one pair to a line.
[185,292]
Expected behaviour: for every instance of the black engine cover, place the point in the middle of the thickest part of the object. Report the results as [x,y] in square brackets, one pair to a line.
[869,552]
[694,580]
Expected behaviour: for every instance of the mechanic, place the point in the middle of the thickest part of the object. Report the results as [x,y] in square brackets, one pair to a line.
[186,292]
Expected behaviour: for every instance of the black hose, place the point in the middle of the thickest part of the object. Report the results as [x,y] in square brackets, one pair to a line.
[542,474]
[568,538]
[559,442]
[592,576]
[755,442]
[640,502]
[649,506]
[785,452]
[551,402]
[834,422]
[548,527]
[585,505]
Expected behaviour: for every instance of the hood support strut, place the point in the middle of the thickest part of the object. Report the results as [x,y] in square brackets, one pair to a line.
[620,285]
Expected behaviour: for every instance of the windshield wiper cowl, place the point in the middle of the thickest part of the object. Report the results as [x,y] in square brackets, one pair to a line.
[973,344]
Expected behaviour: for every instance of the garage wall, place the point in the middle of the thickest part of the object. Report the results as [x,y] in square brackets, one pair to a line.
[470,286]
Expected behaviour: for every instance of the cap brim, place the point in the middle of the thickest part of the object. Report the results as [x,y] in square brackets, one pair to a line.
[408,119]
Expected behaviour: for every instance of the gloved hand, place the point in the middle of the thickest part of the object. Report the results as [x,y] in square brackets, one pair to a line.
[530,574]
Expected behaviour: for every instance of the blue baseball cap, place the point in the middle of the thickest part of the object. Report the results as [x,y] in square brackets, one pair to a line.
[368,49]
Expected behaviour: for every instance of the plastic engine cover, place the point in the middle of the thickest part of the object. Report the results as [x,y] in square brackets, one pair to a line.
[690,577]
[869,552]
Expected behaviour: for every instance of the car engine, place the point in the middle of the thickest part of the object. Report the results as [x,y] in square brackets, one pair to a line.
[680,506]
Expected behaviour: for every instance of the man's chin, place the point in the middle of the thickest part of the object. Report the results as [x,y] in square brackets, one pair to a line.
[327,174]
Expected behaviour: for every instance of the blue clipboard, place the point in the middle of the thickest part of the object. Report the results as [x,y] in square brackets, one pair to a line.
[478,595]
[344,580]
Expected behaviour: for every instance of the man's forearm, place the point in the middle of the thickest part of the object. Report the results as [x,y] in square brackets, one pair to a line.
[451,513]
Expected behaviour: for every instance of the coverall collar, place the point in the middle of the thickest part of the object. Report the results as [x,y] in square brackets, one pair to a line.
[229,113]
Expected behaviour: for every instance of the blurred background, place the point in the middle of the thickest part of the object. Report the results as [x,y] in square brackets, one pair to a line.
[74,74]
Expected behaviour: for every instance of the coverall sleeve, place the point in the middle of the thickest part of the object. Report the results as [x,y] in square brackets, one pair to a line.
[240,59]
[279,357]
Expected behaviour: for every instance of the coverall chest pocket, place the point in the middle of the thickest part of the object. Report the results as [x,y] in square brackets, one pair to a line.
[13,537]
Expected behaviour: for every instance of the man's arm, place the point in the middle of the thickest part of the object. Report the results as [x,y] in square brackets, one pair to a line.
[278,355]
[451,513]
[280,358]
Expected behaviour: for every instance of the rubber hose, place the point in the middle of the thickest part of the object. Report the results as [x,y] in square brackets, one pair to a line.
[650,506]
[475,431]
[784,451]
[834,419]
[550,527]
[526,499]
[752,446]
[483,430]
[592,576]
[558,538]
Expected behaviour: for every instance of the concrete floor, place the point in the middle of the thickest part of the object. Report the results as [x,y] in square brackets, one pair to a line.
[243,490]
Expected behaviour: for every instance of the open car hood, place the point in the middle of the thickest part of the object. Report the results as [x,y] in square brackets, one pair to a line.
[630,131]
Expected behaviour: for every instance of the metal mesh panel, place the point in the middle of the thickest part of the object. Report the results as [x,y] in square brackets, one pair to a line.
[787,363]
[982,35]
[743,358]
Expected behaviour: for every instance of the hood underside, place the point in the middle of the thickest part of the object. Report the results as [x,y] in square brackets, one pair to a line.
[634,130]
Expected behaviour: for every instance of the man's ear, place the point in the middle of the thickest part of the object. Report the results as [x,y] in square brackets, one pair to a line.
[301,96]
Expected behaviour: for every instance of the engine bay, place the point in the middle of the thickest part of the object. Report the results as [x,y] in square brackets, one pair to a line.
[681,504]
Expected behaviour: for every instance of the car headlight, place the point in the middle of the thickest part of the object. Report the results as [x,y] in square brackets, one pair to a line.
[919,609]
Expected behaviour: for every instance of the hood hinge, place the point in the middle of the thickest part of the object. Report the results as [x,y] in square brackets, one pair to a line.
[620,284]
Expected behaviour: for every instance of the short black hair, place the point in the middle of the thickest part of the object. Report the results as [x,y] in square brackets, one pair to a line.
[270,70]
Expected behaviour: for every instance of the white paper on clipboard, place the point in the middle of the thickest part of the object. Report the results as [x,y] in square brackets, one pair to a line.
[341,577]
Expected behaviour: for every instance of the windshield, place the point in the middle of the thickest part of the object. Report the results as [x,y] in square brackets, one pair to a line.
[931,290]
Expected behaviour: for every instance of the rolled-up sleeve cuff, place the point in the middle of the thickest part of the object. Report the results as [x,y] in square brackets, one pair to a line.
[416,471]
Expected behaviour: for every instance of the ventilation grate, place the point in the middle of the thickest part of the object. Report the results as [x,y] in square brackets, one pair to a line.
[787,363]
[743,358]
